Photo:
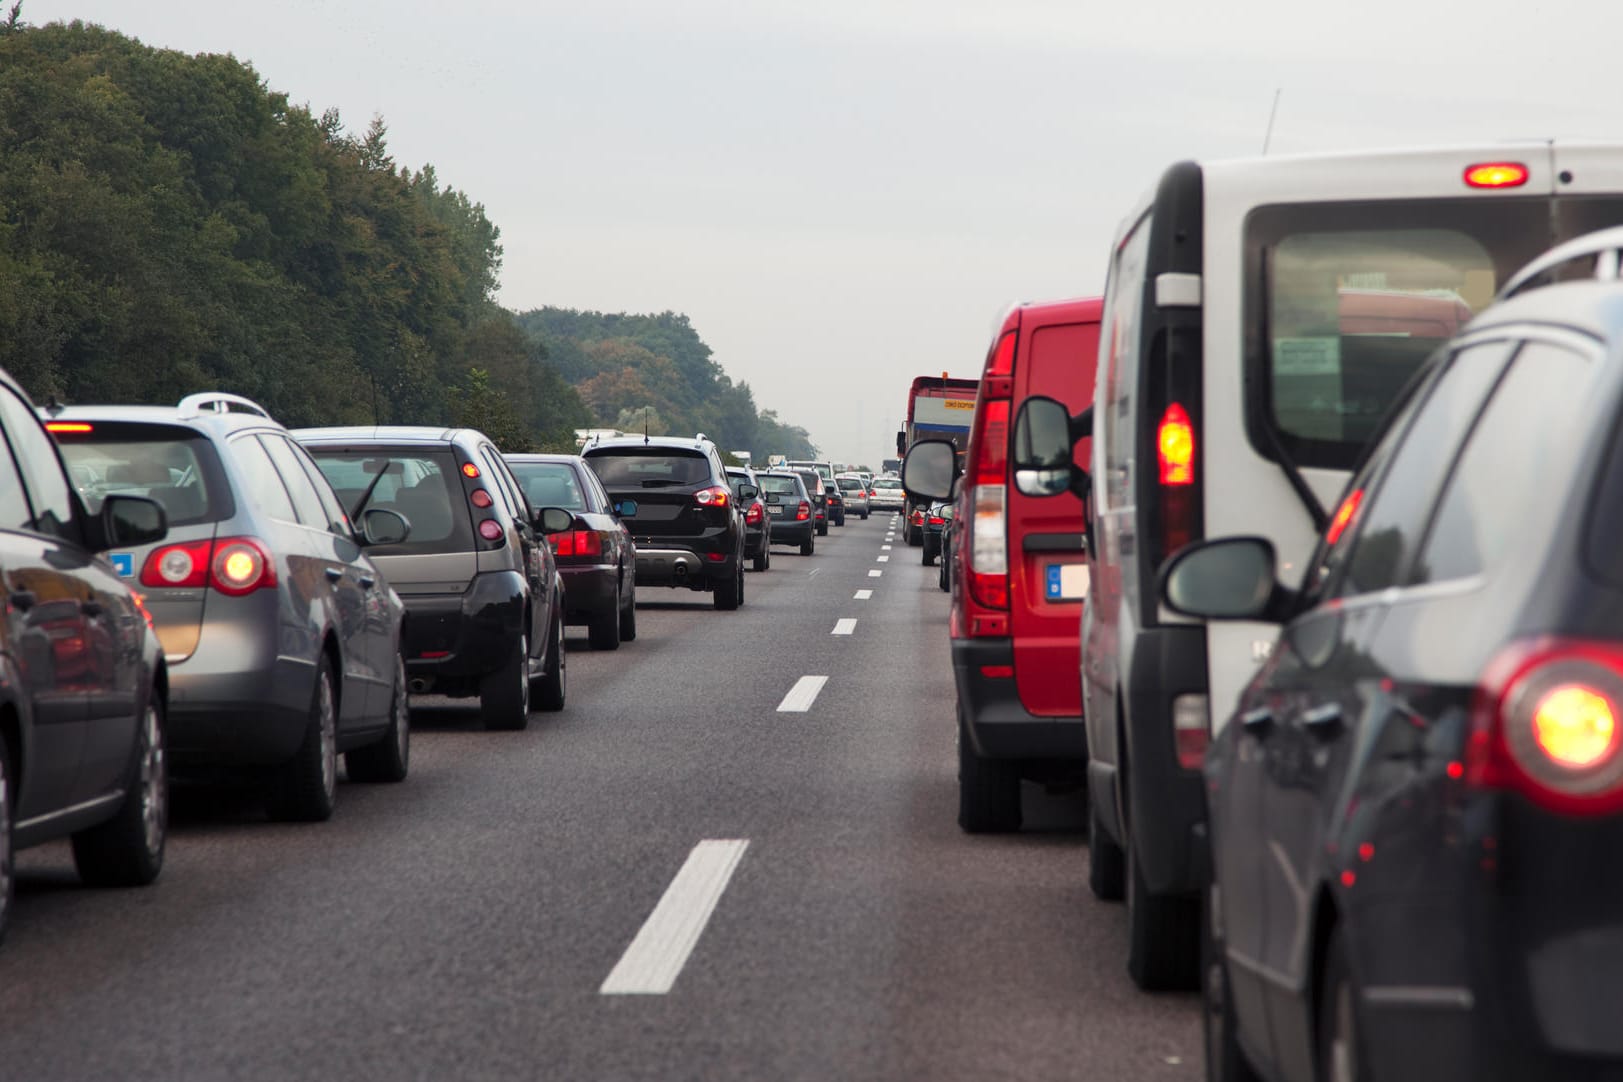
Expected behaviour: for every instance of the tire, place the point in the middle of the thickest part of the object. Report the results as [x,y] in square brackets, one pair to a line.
[928,555]
[1341,1053]
[988,791]
[127,850]
[864,516]
[8,851]
[1107,866]
[762,560]
[730,595]
[1163,934]
[306,787]
[808,546]
[388,759]
[504,695]
[552,689]
[1224,1060]
[628,621]
[912,536]
[822,528]
[603,630]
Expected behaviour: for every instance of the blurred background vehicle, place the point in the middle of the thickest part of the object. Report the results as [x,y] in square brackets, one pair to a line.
[887,494]
[757,522]
[813,481]
[791,509]
[854,491]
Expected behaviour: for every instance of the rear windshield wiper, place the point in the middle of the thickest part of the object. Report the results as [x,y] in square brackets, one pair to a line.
[389,466]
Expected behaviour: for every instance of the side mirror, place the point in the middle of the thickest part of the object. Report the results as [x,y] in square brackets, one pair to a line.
[550,520]
[625,508]
[930,470]
[384,526]
[748,491]
[1232,578]
[1044,435]
[128,521]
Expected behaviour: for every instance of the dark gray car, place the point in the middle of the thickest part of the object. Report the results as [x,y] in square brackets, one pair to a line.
[794,516]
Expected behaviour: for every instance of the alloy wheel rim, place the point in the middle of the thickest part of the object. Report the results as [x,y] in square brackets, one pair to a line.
[329,741]
[154,782]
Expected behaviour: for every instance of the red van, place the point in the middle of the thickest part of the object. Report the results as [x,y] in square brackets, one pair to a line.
[1020,577]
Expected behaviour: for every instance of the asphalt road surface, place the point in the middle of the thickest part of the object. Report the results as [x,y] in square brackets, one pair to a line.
[671,879]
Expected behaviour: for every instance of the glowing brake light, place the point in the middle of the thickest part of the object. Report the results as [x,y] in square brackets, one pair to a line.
[1344,516]
[68,427]
[577,543]
[232,565]
[803,512]
[240,566]
[1496,175]
[1575,726]
[470,470]
[1175,447]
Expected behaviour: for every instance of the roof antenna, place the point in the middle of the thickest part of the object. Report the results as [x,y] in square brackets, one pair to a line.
[54,406]
[645,410]
[1268,135]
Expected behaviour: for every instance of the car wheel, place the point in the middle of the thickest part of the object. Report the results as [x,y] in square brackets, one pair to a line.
[1224,1060]
[988,790]
[504,695]
[389,758]
[822,528]
[1163,934]
[1106,864]
[762,561]
[808,546]
[127,850]
[7,876]
[864,516]
[307,785]
[603,631]
[928,554]
[730,594]
[628,621]
[1341,1056]
[553,686]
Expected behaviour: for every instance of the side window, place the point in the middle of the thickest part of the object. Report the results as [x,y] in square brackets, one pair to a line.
[305,499]
[49,500]
[14,512]
[263,484]
[337,517]
[1389,528]
[1515,468]
[502,481]
[1119,347]
[602,501]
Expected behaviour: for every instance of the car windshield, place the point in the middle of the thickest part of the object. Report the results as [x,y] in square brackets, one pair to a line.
[550,484]
[653,467]
[175,466]
[851,484]
[419,485]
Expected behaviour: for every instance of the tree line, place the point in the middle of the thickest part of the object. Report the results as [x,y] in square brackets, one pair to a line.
[169,224]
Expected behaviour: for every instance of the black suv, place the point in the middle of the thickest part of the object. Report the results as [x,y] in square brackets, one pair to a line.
[674,496]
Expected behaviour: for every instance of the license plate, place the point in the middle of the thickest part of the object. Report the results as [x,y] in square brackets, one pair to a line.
[1066,582]
[774,509]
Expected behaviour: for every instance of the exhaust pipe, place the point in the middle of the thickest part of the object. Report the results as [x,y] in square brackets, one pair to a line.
[419,685]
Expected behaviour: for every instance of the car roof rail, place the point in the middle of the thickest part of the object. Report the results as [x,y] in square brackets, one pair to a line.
[195,405]
[1601,253]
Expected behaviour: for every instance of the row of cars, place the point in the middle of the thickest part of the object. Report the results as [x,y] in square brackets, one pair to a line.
[196,592]
[1299,558]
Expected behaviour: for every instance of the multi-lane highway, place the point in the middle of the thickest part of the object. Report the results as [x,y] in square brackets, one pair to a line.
[680,876]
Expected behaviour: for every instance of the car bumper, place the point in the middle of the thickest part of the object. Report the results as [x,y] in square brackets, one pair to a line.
[248,717]
[682,567]
[589,589]
[1000,727]
[792,531]
[466,635]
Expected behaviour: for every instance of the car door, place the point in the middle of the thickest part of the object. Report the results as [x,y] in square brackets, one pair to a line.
[536,564]
[1327,683]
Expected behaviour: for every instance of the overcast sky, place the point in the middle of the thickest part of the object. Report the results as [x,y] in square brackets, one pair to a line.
[843,194]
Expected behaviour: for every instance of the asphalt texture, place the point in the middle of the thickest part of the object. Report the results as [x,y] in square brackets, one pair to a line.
[460,925]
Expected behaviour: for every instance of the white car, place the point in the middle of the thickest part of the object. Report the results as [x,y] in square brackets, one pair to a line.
[887,494]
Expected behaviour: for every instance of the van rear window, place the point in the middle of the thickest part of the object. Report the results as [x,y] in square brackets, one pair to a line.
[1347,300]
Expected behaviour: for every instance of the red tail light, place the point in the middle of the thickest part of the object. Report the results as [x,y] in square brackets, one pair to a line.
[937,520]
[480,498]
[68,427]
[803,512]
[986,538]
[232,565]
[491,530]
[1191,729]
[754,516]
[715,496]
[1002,363]
[1547,722]
[577,543]
[1175,447]
[470,470]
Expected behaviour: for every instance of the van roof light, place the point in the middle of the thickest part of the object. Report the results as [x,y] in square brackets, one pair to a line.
[1496,175]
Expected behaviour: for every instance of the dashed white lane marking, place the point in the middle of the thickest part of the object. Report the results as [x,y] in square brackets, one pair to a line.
[844,627]
[813,571]
[882,559]
[874,573]
[884,548]
[863,595]
[656,956]
[802,695]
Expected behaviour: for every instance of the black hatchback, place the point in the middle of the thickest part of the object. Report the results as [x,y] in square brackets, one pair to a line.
[1416,811]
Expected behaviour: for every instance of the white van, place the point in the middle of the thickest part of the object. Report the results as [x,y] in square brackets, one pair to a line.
[1260,318]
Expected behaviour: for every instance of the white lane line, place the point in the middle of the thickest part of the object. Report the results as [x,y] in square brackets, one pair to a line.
[844,627]
[813,571]
[882,559]
[884,548]
[650,965]
[874,573]
[863,595]
[802,695]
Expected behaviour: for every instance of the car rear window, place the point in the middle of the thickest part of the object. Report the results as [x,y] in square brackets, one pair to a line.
[852,484]
[174,465]
[652,467]
[783,486]
[550,484]
[887,482]
[422,485]
[1346,300]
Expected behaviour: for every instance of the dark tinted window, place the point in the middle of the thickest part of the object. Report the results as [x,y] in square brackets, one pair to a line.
[1390,528]
[779,486]
[1516,470]
[550,484]
[176,466]
[49,498]
[422,485]
[262,485]
[651,467]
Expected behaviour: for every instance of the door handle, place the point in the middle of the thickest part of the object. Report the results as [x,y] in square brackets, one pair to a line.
[91,609]
[334,574]
[1323,720]
[23,600]
[1257,721]
[367,582]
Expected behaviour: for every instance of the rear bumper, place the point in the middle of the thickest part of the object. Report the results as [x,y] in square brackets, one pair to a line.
[241,718]
[464,635]
[1166,802]
[678,567]
[755,540]
[790,532]
[1000,727]
[589,589]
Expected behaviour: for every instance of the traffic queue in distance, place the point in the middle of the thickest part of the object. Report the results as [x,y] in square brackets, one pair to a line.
[1298,552]
[194,592]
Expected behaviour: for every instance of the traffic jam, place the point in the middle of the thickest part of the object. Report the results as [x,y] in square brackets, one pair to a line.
[1293,558]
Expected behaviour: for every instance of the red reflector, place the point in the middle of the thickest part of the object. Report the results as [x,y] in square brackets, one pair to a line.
[1344,515]
[998,672]
[1366,852]
[1175,447]
[434,655]
[1348,878]
[490,530]
[480,498]
[68,426]
[1496,175]
[470,470]
[715,557]
[1190,746]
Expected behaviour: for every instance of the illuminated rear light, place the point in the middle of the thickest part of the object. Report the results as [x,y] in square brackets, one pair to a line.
[715,557]
[715,496]
[480,498]
[179,566]
[62,427]
[937,520]
[1496,175]
[1545,723]
[1175,447]
[1191,730]
[577,543]
[988,547]
[998,672]
[241,565]
[490,530]
[470,470]
[1344,516]
[803,512]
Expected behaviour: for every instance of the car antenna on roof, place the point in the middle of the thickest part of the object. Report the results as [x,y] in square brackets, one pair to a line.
[54,406]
